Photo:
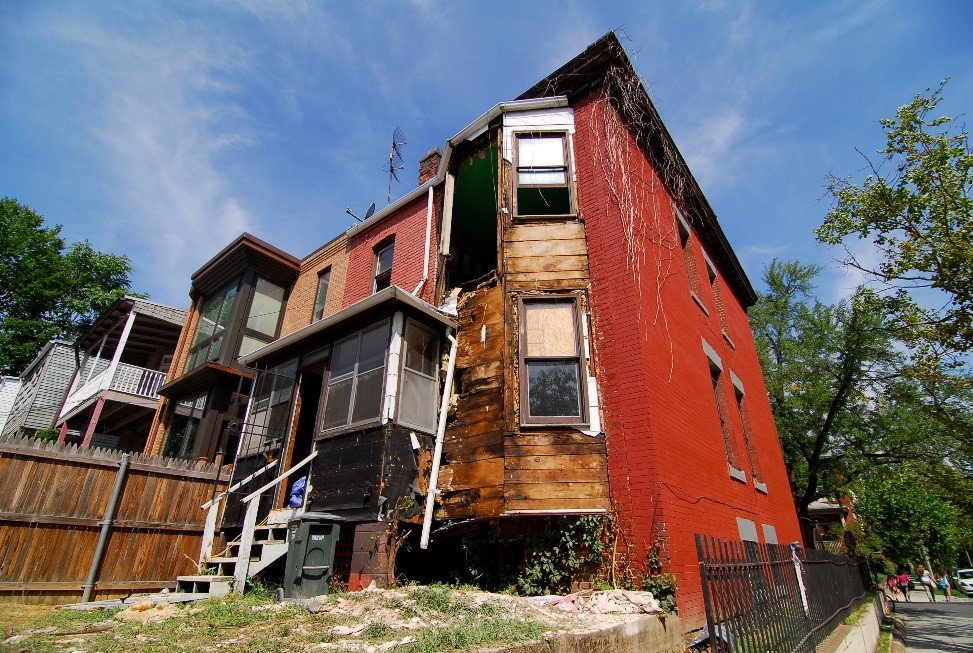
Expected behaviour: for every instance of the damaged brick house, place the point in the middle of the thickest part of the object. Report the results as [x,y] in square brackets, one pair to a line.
[551,324]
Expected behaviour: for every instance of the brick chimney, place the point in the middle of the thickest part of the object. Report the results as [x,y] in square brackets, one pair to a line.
[429,165]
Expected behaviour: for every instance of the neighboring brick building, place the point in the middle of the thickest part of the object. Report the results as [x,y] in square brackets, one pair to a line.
[590,351]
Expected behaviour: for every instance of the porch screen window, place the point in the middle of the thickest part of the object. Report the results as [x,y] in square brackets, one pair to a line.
[417,403]
[270,411]
[383,266]
[263,317]
[356,378]
[322,294]
[212,325]
[551,362]
[542,177]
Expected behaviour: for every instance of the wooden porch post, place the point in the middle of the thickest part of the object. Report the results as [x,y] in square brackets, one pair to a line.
[63,434]
[95,414]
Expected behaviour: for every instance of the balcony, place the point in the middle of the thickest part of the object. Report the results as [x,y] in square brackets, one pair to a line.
[127,379]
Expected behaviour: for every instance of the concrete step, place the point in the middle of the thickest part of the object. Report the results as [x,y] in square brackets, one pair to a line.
[212,585]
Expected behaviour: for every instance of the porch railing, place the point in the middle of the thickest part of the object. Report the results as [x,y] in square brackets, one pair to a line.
[129,379]
[771,597]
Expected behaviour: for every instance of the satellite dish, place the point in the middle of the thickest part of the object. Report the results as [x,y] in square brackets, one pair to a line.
[370,211]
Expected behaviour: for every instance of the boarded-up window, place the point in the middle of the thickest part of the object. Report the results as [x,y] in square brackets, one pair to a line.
[417,401]
[543,177]
[551,361]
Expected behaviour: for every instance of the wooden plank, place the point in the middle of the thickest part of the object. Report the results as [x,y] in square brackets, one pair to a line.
[563,265]
[531,439]
[521,491]
[122,585]
[583,461]
[569,474]
[515,449]
[546,247]
[567,230]
[558,285]
[88,522]
[566,504]
[527,277]
[477,474]
[477,453]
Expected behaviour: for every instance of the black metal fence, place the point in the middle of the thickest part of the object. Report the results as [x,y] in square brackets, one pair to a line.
[763,598]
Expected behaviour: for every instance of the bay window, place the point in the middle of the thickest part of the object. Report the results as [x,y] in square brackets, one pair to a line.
[213,321]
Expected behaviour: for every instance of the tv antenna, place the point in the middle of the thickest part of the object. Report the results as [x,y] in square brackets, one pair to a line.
[395,158]
[368,213]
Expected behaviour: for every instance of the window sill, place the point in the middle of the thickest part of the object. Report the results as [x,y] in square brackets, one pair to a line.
[574,426]
[761,487]
[729,341]
[738,474]
[351,428]
[699,302]
[536,218]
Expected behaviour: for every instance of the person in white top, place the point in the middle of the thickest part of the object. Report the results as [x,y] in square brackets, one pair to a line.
[925,577]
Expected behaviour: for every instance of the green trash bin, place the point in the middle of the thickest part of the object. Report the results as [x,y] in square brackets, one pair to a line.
[311,541]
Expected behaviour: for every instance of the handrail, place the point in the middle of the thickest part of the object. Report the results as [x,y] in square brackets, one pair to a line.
[240,571]
[253,495]
[219,497]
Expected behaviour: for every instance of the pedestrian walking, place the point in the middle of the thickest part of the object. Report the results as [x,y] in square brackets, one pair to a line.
[925,577]
[902,579]
[944,584]
[892,586]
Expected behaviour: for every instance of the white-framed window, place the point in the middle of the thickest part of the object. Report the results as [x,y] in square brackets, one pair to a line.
[356,378]
[542,175]
[321,296]
[384,254]
[419,379]
[552,365]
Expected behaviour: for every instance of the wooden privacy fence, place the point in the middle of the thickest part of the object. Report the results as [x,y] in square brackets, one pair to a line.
[55,508]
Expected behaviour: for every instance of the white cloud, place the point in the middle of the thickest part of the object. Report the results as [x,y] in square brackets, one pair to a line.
[164,118]
[711,148]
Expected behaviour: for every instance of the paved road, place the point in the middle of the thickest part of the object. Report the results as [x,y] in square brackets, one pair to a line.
[937,626]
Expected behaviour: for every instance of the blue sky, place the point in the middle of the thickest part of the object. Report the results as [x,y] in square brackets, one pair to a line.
[163,130]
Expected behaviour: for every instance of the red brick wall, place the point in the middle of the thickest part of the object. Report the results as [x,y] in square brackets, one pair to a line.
[408,225]
[667,460]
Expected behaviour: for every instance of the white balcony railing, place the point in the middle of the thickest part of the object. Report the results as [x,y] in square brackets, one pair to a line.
[129,379]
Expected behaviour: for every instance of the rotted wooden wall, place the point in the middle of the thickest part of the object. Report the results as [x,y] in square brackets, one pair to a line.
[471,479]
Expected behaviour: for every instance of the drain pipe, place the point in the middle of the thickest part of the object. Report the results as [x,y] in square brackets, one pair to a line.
[106,523]
[425,260]
[438,453]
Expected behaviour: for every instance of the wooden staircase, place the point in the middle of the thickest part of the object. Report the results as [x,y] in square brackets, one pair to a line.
[217,573]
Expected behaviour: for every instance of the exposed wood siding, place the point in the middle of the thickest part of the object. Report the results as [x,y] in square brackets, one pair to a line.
[471,479]
[553,254]
[557,472]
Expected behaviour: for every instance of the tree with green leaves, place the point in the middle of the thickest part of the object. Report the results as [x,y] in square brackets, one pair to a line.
[916,209]
[836,382]
[47,288]
[905,518]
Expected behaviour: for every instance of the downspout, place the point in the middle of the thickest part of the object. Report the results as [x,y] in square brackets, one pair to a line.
[438,453]
[106,523]
[425,260]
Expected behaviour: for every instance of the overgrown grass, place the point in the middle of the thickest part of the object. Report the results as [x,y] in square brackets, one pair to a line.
[454,622]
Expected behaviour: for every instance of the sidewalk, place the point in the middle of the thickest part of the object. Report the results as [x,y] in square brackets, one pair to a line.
[919,595]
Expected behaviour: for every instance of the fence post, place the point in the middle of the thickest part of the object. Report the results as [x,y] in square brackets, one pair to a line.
[106,523]
[242,568]
[799,572]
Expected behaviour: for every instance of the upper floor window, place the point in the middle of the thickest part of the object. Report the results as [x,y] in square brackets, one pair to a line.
[542,179]
[685,242]
[263,317]
[383,266]
[213,321]
[719,393]
[324,278]
[758,478]
[551,361]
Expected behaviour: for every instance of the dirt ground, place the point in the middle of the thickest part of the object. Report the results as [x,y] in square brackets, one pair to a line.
[411,619]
